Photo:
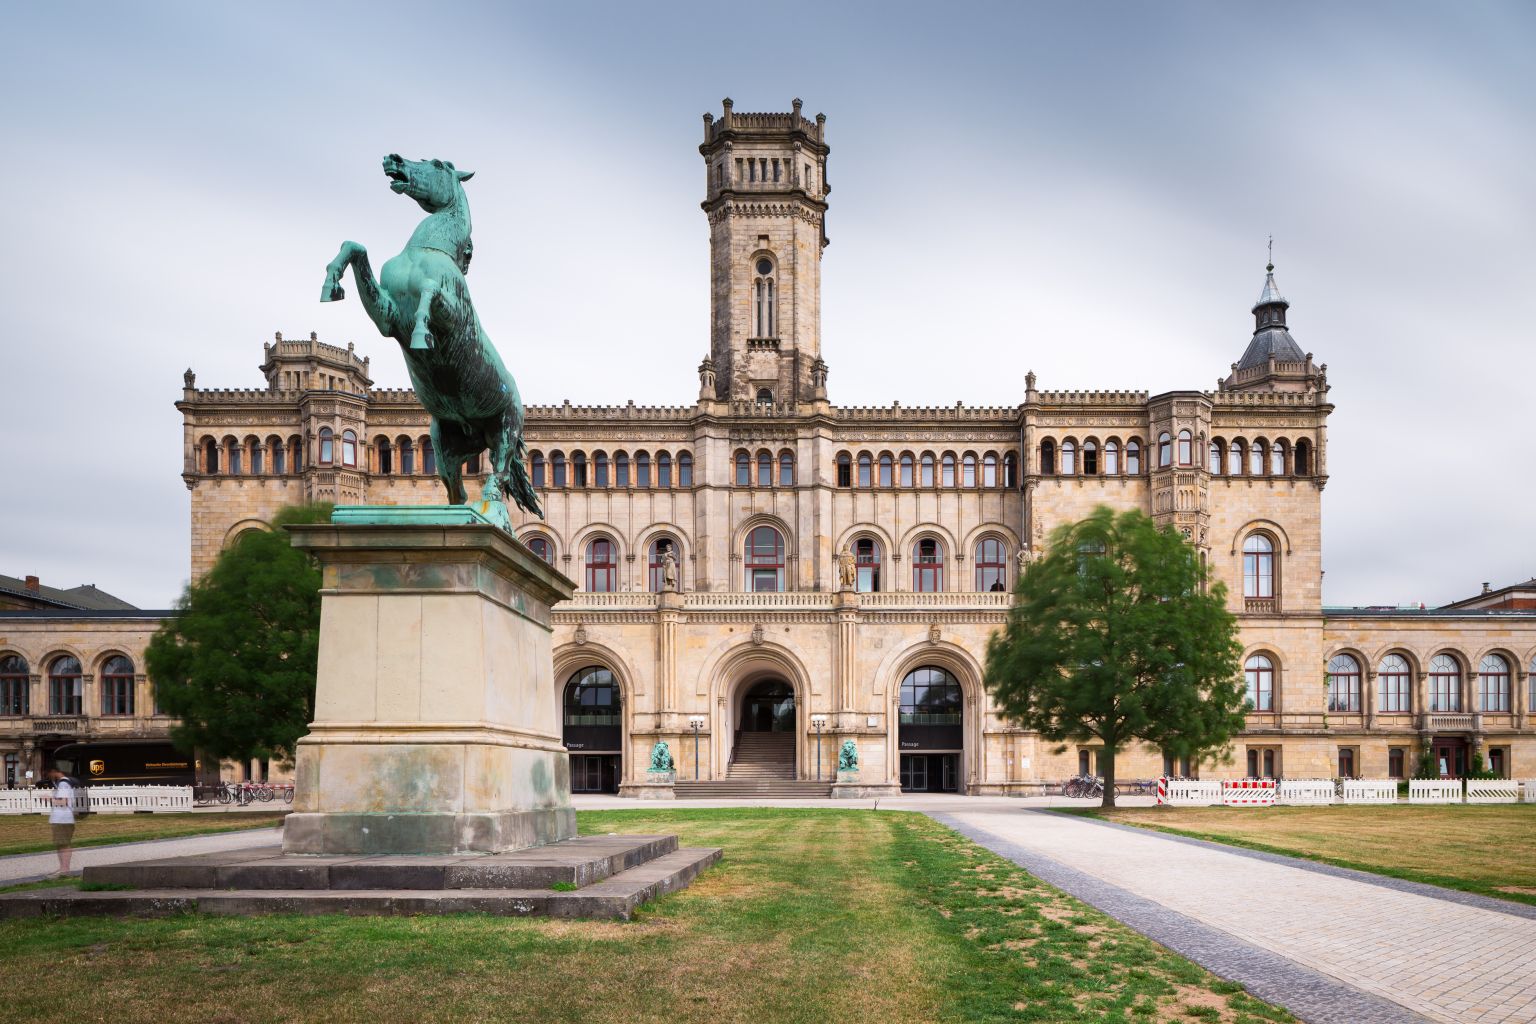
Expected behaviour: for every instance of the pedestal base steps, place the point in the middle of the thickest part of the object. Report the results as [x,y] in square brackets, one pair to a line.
[612,875]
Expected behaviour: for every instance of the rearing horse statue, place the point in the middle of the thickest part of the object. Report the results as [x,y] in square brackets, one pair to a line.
[423,303]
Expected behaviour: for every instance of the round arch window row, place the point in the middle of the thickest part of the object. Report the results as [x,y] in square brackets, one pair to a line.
[1239,457]
[577,469]
[399,456]
[66,686]
[927,469]
[1394,683]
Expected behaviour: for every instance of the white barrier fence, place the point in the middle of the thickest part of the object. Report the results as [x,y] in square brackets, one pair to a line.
[1434,791]
[1369,791]
[1309,792]
[1493,791]
[1189,792]
[100,799]
[1528,788]
[1249,793]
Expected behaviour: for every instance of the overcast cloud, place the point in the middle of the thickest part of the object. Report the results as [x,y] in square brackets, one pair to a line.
[1082,190]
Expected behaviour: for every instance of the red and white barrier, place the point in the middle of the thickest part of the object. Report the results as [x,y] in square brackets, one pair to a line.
[1248,793]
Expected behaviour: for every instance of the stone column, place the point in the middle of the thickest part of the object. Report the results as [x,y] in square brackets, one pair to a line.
[845,650]
[437,722]
[669,616]
[1368,696]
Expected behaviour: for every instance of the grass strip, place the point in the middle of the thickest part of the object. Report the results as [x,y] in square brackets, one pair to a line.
[30,833]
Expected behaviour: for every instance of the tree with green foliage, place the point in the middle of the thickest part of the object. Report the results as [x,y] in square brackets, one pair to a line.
[237,664]
[1116,635]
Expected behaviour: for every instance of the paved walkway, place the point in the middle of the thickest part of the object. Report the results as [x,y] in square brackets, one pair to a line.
[28,867]
[1368,950]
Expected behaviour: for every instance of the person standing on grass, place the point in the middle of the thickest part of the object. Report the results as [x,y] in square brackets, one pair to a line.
[62,817]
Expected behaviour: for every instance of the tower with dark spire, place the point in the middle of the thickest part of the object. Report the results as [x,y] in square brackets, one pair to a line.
[1273,361]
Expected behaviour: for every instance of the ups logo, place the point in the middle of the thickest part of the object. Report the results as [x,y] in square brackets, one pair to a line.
[98,767]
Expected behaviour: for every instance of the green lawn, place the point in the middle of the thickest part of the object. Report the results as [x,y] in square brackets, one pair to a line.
[812,916]
[29,833]
[1473,848]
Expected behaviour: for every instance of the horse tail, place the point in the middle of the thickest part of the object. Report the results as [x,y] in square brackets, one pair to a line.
[520,488]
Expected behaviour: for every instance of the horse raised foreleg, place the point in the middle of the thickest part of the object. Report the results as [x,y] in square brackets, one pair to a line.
[332,291]
[376,303]
[421,334]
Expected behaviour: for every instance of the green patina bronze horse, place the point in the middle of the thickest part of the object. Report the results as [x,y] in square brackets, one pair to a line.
[423,303]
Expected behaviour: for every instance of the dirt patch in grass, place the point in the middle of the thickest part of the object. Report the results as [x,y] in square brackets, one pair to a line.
[29,833]
[1459,846]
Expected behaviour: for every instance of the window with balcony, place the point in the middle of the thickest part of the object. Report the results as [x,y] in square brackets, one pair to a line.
[1493,684]
[764,561]
[602,566]
[991,566]
[866,560]
[928,567]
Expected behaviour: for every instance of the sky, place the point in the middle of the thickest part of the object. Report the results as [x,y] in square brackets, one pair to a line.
[1082,190]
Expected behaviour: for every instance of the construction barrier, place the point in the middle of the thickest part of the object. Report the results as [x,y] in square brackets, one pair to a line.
[1369,791]
[1434,791]
[1309,792]
[1248,793]
[1493,791]
[1188,792]
[1528,789]
[100,799]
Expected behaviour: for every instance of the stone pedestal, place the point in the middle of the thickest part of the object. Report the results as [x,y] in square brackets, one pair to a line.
[437,722]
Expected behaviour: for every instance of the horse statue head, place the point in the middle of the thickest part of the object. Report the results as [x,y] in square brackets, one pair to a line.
[432,183]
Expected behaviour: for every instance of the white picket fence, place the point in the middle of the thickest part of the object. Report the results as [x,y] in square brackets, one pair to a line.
[1434,791]
[1369,791]
[1493,791]
[101,799]
[1308,792]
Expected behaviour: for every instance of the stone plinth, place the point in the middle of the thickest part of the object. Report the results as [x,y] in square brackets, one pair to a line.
[437,727]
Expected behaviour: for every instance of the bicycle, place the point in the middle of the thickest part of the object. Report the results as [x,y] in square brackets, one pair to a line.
[1080,786]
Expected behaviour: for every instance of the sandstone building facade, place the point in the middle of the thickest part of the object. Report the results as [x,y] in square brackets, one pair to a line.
[757,659]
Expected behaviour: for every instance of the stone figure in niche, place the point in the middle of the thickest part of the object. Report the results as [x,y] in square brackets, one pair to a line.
[668,570]
[661,757]
[422,301]
[848,757]
[847,570]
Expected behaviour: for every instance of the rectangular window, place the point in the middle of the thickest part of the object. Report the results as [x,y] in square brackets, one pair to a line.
[65,695]
[1395,761]
[885,473]
[13,694]
[1346,762]
[256,462]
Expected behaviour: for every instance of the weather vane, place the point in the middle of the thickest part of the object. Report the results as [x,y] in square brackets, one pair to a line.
[1271,252]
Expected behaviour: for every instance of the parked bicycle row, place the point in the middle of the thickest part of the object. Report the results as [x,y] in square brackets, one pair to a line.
[242,793]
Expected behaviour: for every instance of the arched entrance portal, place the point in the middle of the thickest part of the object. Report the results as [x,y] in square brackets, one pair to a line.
[930,731]
[768,706]
[592,729]
[766,733]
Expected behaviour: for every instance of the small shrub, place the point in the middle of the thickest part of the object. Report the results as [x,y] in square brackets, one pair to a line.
[565,887]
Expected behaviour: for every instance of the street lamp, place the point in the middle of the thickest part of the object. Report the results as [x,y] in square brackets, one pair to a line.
[697,723]
[818,721]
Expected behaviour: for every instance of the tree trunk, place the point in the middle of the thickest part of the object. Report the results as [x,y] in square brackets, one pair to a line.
[1107,767]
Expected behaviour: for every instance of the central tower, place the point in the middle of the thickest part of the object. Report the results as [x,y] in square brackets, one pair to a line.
[765,196]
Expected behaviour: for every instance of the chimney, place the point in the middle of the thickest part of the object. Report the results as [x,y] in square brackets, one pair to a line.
[1486,587]
[34,584]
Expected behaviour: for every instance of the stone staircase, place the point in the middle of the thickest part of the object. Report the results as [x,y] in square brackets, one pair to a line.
[762,768]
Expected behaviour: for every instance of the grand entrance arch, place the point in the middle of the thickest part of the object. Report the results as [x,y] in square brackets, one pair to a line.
[936,722]
[768,705]
[592,728]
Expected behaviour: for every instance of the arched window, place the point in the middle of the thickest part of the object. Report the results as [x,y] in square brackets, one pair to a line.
[1256,459]
[947,470]
[602,566]
[764,301]
[1215,463]
[989,469]
[232,456]
[1164,449]
[1133,457]
[1048,457]
[743,469]
[327,447]
[764,561]
[663,469]
[579,469]
[407,457]
[254,452]
[536,468]
[887,470]
[1111,458]
[557,469]
[66,686]
[786,468]
[1010,470]
[1343,684]
[656,564]
[1235,458]
[926,479]
[908,470]
[348,448]
[15,686]
[991,565]
[866,470]
[1259,672]
[1090,458]
[592,698]
[541,547]
[600,469]
[764,396]
[642,469]
[844,470]
[1302,464]
[1258,567]
[210,455]
[1069,458]
[930,696]
[385,454]
[1186,448]
[1493,684]
[866,560]
[1444,683]
[117,686]
[764,468]
[928,567]
[1394,684]
[621,469]
[684,469]
[968,470]
[1277,459]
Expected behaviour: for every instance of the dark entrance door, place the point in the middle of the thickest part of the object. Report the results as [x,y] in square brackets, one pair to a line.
[1450,756]
[930,773]
[769,706]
